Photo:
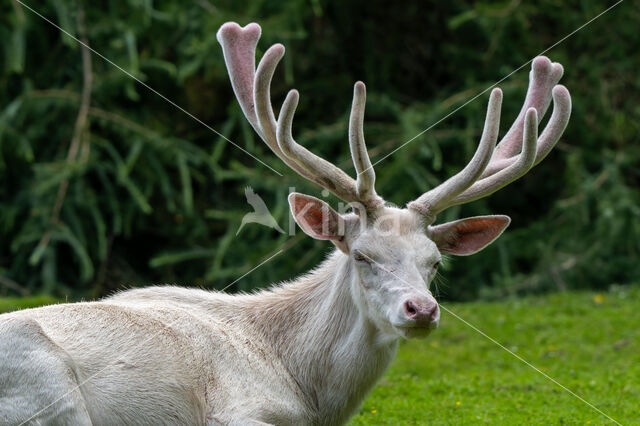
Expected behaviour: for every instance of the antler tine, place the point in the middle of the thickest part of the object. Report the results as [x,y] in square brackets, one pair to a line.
[325,173]
[262,90]
[549,137]
[366,176]
[520,148]
[543,77]
[505,171]
[437,199]
[517,169]
[239,49]
[252,88]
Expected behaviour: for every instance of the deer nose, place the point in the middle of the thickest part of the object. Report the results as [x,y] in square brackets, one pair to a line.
[422,312]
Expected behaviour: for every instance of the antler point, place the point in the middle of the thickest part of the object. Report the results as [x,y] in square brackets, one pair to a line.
[276,50]
[231,30]
[540,64]
[252,26]
[560,90]
[294,94]
[532,115]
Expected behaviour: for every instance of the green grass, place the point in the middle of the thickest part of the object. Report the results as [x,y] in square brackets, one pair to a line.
[588,342]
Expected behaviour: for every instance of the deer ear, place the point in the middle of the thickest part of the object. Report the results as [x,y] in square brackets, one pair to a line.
[468,236]
[317,219]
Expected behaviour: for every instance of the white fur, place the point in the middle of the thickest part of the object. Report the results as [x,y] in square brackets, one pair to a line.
[303,352]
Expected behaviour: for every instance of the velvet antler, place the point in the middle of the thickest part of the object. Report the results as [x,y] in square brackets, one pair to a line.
[252,89]
[519,150]
[489,170]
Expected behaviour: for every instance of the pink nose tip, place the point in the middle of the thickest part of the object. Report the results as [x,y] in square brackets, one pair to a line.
[426,312]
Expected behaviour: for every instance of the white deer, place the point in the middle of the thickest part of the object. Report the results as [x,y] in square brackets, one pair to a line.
[302,352]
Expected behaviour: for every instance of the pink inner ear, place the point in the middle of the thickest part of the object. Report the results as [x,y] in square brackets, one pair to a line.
[310,212]
[468,236]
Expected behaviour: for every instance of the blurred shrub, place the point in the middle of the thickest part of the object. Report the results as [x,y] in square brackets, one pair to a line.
[154,196]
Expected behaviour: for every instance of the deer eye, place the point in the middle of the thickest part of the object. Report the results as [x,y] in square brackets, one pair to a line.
[359,257]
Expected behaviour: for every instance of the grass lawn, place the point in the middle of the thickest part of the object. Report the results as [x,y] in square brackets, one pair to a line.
[588,342]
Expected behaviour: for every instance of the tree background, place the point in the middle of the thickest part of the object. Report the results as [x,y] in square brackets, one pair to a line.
[104,185]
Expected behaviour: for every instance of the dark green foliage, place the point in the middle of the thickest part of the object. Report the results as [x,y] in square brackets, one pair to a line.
[154,196]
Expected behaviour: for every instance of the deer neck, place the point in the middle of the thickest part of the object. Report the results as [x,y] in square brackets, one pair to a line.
[330,348]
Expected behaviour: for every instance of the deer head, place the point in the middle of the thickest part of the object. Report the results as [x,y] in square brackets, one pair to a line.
[393,253]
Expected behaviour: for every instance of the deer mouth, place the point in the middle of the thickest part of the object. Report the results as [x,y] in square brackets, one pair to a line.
[417,330]
[420,332]
[420,326]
